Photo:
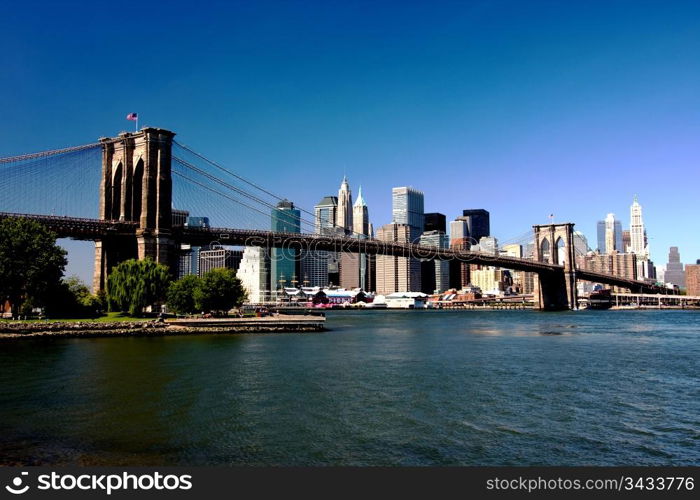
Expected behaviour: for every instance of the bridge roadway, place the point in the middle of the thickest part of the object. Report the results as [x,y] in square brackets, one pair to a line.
[97,229]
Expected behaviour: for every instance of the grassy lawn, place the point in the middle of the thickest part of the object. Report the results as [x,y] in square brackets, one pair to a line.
[110,317]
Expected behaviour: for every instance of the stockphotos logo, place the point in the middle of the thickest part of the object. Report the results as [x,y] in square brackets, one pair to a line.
[106,483]
[16,487]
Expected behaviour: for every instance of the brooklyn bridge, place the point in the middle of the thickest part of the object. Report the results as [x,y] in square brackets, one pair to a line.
[120,192]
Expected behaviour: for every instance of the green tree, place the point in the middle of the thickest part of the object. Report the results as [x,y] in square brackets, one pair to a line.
[31,264]
[72,299]
[136,284]
[220,290]
[181,294]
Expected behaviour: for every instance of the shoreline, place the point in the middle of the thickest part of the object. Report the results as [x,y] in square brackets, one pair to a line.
[219,326]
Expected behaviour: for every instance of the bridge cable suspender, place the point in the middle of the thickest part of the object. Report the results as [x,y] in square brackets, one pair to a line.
[53,152]
[250,183]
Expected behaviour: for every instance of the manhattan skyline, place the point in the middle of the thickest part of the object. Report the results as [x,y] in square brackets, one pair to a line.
[524,110]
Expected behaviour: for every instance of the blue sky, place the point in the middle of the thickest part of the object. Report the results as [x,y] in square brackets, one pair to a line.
[522,108]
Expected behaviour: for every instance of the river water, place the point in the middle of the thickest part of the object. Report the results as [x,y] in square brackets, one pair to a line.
[380,388]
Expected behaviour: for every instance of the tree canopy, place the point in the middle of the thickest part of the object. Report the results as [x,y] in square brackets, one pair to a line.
[31,263]
[135,284]
[218,290]
[181,294]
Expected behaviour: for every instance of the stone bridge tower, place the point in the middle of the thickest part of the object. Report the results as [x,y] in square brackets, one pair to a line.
[136,186]
[554,244]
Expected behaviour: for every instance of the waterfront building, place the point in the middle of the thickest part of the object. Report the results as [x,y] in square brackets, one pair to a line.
[491,280]
[254,273]
[314,267]
[478,222]
[435,274]
[674,269]
[284,261]
[325,214]
[434,221]
[407,209]
[692,279]
[396,274]
[184,261]
[193,251]
[218,258]
[344,215]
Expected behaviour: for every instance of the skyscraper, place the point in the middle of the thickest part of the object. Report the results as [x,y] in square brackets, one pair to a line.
[360,215]
[344,214]
[283,268]
[637,234]
[692,279]
[355,267]
[610,235]
[407,208]
[674,269]
[459,240]
[325,214]
[478,222]
[434,222]
[397,274]
[253,272]
[435,274]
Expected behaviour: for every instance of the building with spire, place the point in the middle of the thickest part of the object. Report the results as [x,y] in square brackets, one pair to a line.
[344,213]
[360,215]
[638,243]
[356,269]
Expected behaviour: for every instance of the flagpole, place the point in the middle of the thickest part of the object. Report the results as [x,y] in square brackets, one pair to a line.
[137,123]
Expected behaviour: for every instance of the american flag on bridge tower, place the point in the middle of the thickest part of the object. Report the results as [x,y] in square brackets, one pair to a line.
[132,116]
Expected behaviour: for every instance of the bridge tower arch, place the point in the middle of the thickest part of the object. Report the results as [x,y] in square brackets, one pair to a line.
[554,244]
[136,186]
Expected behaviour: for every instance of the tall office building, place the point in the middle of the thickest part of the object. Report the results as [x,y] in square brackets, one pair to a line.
[407,208]
[580,243]
[344,215]
[626,241]
[487,244]
[396,274]
[283,265]
[434,222]
[314,267]
[638,244]
[435,274]
[459,240]
[325,214]
[254,273]
[610,235]
[674,269]
[478,222]
[217,258]
[355,267]
[623,265]
[692,279]
[360,215]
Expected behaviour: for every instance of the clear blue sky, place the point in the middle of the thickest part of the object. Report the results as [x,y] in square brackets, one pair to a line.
[522,108]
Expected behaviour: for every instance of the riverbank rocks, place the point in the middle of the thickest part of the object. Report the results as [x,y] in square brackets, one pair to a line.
[84,329]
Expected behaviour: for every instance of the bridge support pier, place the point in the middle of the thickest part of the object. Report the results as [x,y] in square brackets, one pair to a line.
[556,290]
[136,186]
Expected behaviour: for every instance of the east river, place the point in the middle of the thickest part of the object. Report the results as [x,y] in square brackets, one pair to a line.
[380,388]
